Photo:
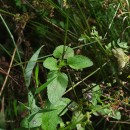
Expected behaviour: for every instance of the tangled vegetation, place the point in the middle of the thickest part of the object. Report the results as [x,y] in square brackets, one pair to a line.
[64,64]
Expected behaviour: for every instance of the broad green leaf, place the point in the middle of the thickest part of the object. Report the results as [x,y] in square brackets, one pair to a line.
[63,50]
[57,87]
[30,67]
[50,120]
[50,63]
[79,62]
[52,74]
[35,119]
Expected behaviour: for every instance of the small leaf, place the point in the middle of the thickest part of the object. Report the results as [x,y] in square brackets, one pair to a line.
[62,63]
[50,63]
[96,94]
[18,3]
[57,87]
[77,117]
[122,44]
[117,115]
[63,50]
[128,76]
[84,38]
[79,62]
[80,127]
[30,66]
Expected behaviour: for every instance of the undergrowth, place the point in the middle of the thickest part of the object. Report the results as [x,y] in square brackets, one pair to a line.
[64,65]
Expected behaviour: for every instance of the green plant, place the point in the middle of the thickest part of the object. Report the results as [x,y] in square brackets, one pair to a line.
[65,56]
[97,97]
[50,116]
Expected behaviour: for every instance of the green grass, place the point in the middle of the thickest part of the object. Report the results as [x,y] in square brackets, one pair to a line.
[31,65]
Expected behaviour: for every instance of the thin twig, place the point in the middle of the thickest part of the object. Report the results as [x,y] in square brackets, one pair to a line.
[121,122]
[6,78]
[112,20]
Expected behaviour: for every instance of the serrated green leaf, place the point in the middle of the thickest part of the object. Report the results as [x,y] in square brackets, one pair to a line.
[63,50]
[50,120]
[57,87]
[50,63]
[30,66]
[79,62]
